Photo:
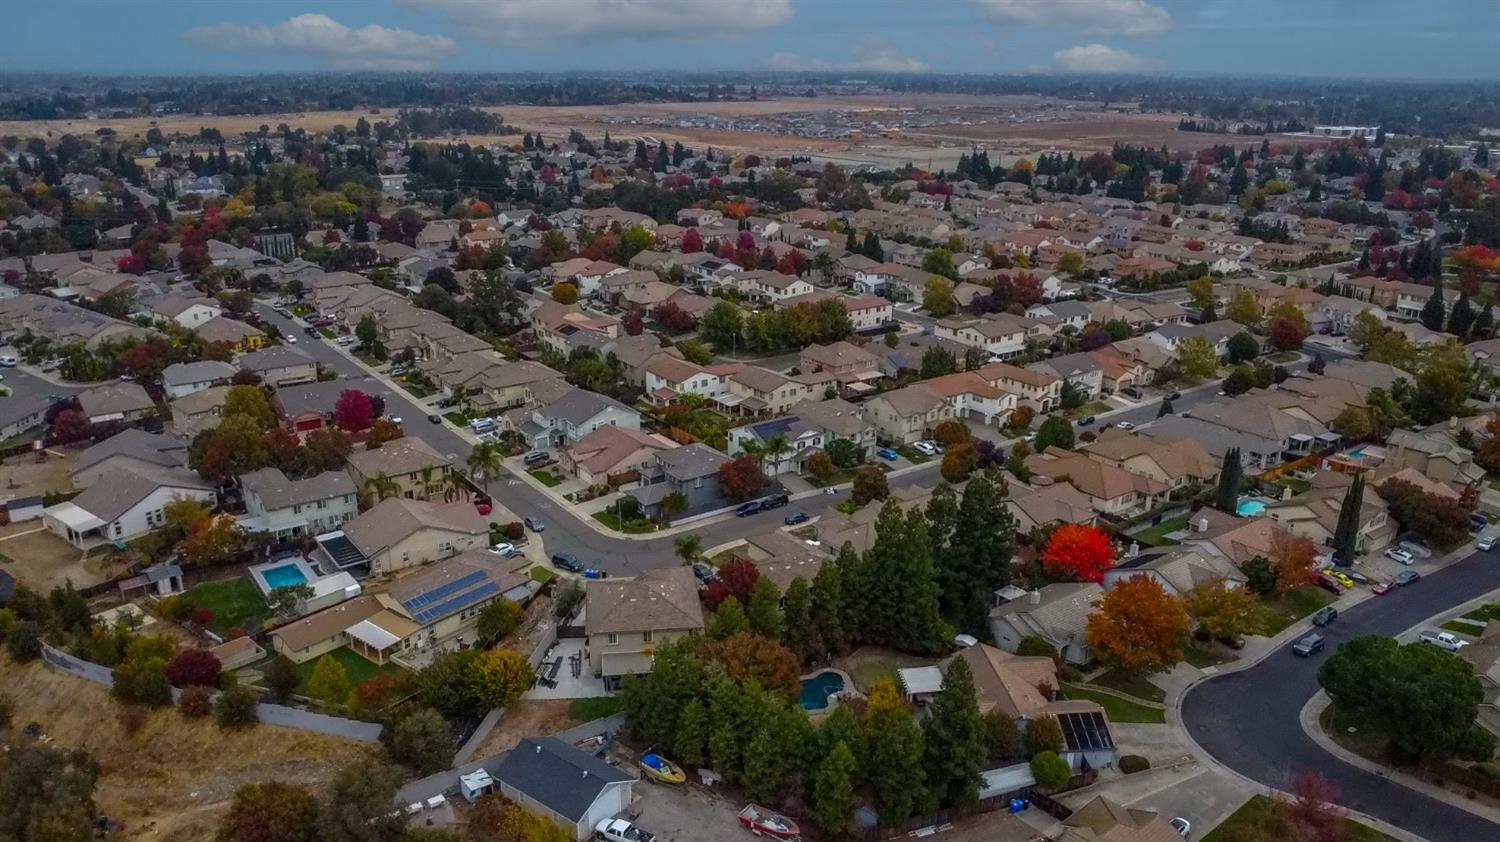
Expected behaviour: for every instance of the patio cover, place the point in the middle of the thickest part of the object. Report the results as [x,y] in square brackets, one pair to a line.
[77,519]
[373,636]
[625,663]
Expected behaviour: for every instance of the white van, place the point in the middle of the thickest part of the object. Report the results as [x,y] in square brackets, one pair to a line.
[482,425]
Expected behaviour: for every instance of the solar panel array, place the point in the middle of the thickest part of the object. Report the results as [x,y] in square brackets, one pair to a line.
[1085,731]
[441,591]
[776,427]
[343,551]
[457,603]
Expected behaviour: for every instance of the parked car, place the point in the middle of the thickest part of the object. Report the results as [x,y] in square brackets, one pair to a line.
[1399,555]
[1486,542]
[619,830]
[704,572]
[887,454]
[503,548]
[1477,521]
[1444,640]
[1125,425]
[1309,645]
[797,517]
[1341,577]
[8,360]
[775,501]
[1330,584]
[1172,395]
[434,418]
[1086,421]
[483,508]
[748,509]
[1384,586]
[1407,577]
[311,331]
[926,448]
[537,457]
[1327,614]
[535,524]
[344,340]
[568,562]
[1132,392]
[481,425]
[1182,826]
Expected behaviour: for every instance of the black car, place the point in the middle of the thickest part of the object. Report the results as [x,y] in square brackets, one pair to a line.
[703,572]
[1085,420]
[796,517]
[311,331]
[435,418]
[748,509]
[1308,646]
[1325,615]
[568,562]
[775,501]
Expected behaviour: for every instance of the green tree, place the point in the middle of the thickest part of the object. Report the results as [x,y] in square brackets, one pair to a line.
[358,805]
[898,584]
[896,768]
[1056,431]
[329,682]
[1201,289]
[1044,733]
[1242,308]
[798,633]
[728,620]
[1461,319]
[498,619]
[249,402]
[1050,771]
[654,703]
[937,297]
[721,325]
[977,559]
[869,484]
[692,733]
[367,331]
[1227,497]
[421,741]
[1434,309]
[828,607]
[939,261]
[1346,530]
[1243,347]
[833,798]
[954,739]
[236,707]
[1196,357]
[936,362]
[688,547]
[1444,383]
[764,612]
[270,812]
[1002,737]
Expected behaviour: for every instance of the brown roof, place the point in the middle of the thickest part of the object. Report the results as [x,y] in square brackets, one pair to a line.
[1099,480]
[397,458]
[1007,682]
[396,518]
[1102,820]
[657,600]
[996,372]
[318,627]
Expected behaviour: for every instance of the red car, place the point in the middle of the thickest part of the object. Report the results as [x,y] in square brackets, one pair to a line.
[1384,586]
[484,508]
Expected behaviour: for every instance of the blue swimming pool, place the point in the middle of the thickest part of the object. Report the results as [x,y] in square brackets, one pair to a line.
[283,576]
[816,690]
[1250,508]
[1357,452]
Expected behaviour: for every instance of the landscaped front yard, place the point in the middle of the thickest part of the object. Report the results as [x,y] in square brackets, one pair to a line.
[1118,709]
[1131,684]
[546,477]
[911,454]
[1241,824]
[633,527]
[235,603]
[1278,611]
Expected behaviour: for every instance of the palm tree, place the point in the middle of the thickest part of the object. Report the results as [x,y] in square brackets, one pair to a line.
[687,548]
[755,449]
[379,487]
[485,463]
[773,449]
[457,486]
[428,474]
[672,505]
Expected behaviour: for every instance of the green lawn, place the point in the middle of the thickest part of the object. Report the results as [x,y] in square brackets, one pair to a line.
[911,454]
[1130,684]
[838,478]
[1119,710]
[545,477]
[1464,627]
[1281,610]
[234,602]
[542,574]
[609,519]
[1157,535]
[1298,486]
[598,707]
[327,333]
[1241,822]
[1282,357]
[355,666]
[1200,657]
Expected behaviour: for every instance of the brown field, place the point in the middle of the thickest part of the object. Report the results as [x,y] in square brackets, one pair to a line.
[172,780]
[1074,126]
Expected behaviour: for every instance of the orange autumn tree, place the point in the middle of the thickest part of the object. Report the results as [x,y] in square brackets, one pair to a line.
[1139,626]
[1080,552]
[1294,559]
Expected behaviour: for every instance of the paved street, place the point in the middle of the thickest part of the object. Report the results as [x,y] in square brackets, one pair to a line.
[1248,719]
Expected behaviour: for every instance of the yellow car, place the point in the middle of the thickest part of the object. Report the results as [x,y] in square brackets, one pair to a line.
[1341,577]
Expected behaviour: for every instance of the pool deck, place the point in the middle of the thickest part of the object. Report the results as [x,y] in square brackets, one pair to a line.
[257,572]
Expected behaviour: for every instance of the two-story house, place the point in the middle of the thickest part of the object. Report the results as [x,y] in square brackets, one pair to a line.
[398,533]
[1001,335]
[414,469]
[1035,389]
[280,365]
[905,415]
[181,379]
[1112,490]
[691,470]
[626,619]
[669,376]
[848,363]
[757,391]
[1177,463]
[287,508]
[569,417]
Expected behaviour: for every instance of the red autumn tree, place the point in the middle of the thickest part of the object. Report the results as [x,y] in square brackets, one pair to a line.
[675,319]
[1138,626]
[634,322]
[194,667]
[1286,334]
[1080,552]
[692,241]
[353,411]
[71,425]
[744,242]
[1028,289]
[724,250]
[792,263]
[740,478]
[734,578]
[745,656]
[1312,810]
[285,449]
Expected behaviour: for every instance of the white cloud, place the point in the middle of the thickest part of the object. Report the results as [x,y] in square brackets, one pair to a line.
[1099,58]
[336,46]
[871,55]
[1116,18]
[532,23]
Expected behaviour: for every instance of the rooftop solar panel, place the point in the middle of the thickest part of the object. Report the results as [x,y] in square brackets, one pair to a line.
[342,551]
[457,603]
[1085,731]
[441,591]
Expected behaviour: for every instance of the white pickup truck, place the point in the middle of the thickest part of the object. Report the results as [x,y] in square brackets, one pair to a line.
[1444,640]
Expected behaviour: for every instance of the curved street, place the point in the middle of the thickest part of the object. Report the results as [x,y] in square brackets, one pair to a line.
[1249,719]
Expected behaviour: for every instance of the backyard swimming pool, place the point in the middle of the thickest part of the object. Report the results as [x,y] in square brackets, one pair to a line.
[817,689]
[283,576]
[1250,508]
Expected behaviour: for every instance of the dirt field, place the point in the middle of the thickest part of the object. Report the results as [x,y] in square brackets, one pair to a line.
[42,561]
[1075,126]
[25,477]
[527,718]
[172,780]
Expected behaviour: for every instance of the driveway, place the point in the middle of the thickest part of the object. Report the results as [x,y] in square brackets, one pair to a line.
[1249,719]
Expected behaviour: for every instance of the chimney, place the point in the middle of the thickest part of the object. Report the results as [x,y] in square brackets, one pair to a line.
[1034,597]
[1133,550]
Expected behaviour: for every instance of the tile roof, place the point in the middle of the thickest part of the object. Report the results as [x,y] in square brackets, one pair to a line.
[394,519]
[395,458]
[664,599]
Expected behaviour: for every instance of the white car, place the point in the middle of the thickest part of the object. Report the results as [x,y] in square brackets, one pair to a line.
[8,360]
[1125,425]
[345,340]
[1399,555]
[291,340]
[1182,826]
[503,548]
[394,419]
[619,830]
[925,447]
[1486,543]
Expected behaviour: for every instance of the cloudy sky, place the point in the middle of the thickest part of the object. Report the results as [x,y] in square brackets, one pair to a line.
[1445,39]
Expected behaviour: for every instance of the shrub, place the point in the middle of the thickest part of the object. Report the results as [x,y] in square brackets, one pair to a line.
[235,708]
[514,531]
[24,642]
[1132,763]
[281,678]
[421,741]
[1032,645]
[202,617]
[175,608]
[196,701]
[132,719]
[142,681]
[1044,734]
[194,667]
[1050,771]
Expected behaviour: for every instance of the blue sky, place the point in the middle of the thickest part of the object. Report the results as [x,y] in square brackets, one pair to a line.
[1438,39]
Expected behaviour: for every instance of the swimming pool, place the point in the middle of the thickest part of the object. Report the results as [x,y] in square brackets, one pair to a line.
[1250,508]
[1357,452]
[283,576]
[817,689]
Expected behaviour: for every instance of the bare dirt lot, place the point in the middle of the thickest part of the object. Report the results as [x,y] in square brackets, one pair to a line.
[527,718]
[25,476]
[174,778]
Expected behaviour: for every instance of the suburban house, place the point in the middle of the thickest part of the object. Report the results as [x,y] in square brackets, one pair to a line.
[626,619]
[563,327]
[280,365]
[488,380]
[1035,389]
[555,780]
[1314,514]
[124,503]
[1056,613]
[125,402]
[1080,370]
[1178,463]
[1045,504]
[691,470]
[866,312]
[287,508]
[973,398]
[611,452]
[757,391]
[1113,491]
[415,467]
[398,533]
[1103,820]
[852,367]
[191,313]
[1001,335]
[768,285]
[19,415]
[570,417]
[668,376]
[1179,571]
[237,335]
[181,379]
[199,411]
[1435,454]
[129,448]
[1236,539]
[905,415]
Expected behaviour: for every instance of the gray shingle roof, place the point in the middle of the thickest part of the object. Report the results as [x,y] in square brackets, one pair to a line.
[121,488]
[156,449]
[205,371]
[691,461]
[557,775]
[276,491]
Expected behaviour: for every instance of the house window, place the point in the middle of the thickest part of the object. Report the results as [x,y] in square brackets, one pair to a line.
[612,639]
[646,637]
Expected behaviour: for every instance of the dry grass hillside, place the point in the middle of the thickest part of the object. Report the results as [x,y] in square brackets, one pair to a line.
[172,780]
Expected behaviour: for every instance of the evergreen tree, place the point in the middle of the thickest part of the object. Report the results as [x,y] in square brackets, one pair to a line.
[764,611]
[828,605]
[895,766]
[730,715]
[1461,320]
[1165,409]
[872,248]
[1434,310]
[797,632]
[942,517]
[954,738]
[977,560]
[851,245]
[692,734]
[1209,314]
[1346,533]
[833,791]
[898,584]
[728,620]
[1226,499]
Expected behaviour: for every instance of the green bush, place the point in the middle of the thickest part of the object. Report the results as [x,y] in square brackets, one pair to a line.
[1050,771]
[235,708]
[24,642]
[1032,645]
[1132,763]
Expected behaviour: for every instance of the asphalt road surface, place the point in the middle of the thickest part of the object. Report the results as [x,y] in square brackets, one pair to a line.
[1249,720]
